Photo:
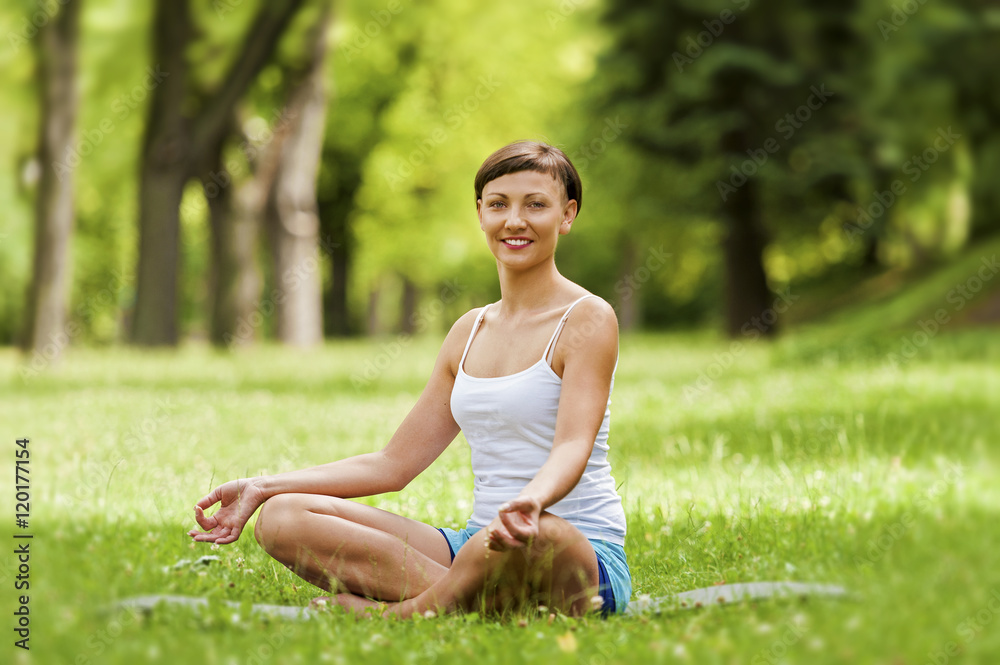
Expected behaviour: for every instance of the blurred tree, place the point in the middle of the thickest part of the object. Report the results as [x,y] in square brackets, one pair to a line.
[177,137]
[235,212]
[660,133]
[292,221]
[749,95]
[239,202]
[972,46]
[908,205]
[56,50]
[370,72]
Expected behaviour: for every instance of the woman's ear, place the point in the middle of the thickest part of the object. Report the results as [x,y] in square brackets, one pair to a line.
[569,214]
[479,212]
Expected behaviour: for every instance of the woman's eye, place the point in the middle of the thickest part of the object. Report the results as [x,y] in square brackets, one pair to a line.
[496,204]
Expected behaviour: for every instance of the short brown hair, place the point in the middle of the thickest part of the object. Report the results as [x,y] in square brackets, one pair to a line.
[531,156]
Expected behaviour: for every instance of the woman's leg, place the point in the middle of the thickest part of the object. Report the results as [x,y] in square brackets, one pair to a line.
[559,570]
[340,545]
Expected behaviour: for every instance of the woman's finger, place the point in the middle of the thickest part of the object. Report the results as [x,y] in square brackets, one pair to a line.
[219,536]
[204,537]
[496,537]
[206,523]
[209,499]
[504,539]
[228,539]
[518,526]
[493,540]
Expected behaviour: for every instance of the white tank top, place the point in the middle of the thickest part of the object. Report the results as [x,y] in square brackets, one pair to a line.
[510,424]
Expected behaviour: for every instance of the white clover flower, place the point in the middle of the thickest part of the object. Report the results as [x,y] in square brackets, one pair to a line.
[643,602]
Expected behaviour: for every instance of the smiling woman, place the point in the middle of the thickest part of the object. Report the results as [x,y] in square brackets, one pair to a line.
[527,195]
[547,526]
[517,206]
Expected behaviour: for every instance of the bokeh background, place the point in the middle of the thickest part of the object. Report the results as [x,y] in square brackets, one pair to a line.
[232,172]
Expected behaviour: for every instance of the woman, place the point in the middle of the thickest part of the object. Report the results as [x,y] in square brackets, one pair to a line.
[528,380]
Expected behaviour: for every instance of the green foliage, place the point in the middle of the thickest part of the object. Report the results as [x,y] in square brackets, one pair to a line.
[686,75]
[638,94]
[416,209]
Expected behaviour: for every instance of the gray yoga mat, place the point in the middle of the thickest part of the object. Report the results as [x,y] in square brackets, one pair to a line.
[149,603]
[715,595]
[732,593]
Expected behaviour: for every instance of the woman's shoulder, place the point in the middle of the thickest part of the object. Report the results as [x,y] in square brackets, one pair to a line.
[462,328]
[455,340]
[590,335]
[465,322]
[592,309]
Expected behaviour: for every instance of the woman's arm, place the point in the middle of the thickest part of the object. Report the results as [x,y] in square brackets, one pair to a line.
[588,350]
[419,440]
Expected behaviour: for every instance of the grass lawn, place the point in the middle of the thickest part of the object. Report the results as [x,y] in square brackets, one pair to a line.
[778,462]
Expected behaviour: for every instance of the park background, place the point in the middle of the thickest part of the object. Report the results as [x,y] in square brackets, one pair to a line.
[235,233]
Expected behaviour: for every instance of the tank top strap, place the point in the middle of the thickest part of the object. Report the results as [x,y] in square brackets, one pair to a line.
[559,327]
[475,329]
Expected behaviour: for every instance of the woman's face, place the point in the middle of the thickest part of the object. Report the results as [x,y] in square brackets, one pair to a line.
[523,214]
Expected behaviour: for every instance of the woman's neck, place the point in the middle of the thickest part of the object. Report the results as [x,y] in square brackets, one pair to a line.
[524,292]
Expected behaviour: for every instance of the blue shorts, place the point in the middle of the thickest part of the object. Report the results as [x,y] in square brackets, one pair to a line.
[614,577]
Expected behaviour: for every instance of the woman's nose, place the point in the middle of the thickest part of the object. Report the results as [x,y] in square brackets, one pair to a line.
[514,220]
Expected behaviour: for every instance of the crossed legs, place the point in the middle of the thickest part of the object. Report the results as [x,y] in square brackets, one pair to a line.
[361,553]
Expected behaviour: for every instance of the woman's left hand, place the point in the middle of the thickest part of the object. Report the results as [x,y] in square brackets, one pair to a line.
[516,525]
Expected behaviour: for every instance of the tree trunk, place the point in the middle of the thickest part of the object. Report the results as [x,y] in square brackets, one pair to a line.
[46,329]
[161,189]
[165,170]
[374,323]
[234,282]
[292,218]
[748,297]
[175,145]
[334,211]
[628,306]
[408,307]
[336,314]
[873,234]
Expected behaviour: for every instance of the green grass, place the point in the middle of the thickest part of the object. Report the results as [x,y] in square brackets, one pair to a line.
[843,317]
[780,463]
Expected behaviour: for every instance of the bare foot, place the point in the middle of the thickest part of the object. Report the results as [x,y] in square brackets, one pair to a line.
[356,605]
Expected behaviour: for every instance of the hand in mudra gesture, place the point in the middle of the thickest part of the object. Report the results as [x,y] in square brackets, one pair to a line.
[238,500]
[515,526]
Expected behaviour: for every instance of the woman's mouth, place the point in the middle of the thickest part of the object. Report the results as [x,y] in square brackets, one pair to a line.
[516,243]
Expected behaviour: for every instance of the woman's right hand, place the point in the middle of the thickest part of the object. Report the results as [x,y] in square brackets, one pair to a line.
[238,499]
